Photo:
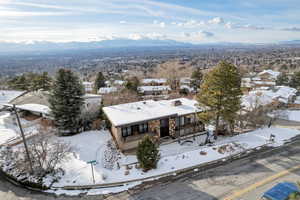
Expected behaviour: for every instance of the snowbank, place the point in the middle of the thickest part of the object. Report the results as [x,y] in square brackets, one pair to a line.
[91,145]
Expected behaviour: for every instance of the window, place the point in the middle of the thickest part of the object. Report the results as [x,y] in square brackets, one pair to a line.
[187,120]
[126,131]
[143,128]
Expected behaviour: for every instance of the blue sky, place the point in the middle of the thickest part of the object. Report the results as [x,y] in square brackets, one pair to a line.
[195,21]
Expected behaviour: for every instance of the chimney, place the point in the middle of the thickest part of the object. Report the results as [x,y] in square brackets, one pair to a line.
[176,103]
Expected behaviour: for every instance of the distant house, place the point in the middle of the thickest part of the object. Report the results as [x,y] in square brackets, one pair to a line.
[154,81]
[268,75]
[154,90]
[278,95]
[88,86]
[166,118]
[37,102]
[107,90]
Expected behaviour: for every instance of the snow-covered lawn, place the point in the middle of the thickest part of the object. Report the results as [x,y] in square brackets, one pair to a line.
[91,146]
[8,95]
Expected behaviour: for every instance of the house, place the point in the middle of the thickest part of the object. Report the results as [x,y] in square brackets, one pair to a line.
[154,81]
[88,86]
[107,90]
[154,90]
[37,103]
[268,75]
[162,119]
[278,95]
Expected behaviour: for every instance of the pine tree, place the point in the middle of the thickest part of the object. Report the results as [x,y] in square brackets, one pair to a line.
[147,154]
[220,95]
[41,82]
[282,79]
[196,77]
[132,84]
[99,82]
[295,80]
[66,102]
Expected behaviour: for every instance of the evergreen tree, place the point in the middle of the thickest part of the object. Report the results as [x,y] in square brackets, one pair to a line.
[196,77]
[295,80]
[283,79]
[41,82]
[220,95]
[99,82]
[132,84]
[66,102]
[147,154]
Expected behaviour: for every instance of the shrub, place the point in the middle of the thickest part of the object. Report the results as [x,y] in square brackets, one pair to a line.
[147,154]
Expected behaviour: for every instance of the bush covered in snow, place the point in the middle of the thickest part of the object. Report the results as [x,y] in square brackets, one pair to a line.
[111,155]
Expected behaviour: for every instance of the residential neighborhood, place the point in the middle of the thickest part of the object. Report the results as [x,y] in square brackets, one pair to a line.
[149,100]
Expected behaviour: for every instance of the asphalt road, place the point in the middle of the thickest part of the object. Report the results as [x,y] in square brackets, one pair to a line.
[215,183]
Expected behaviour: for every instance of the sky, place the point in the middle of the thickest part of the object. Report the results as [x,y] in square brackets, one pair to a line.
[194,21]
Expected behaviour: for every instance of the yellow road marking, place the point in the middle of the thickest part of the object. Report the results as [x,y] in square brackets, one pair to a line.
[241,192]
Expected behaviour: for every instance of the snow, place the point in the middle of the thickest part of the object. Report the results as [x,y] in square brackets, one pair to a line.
[107,90]
[187,88]
[143,89]
[283,94]
[273,74]
[154,80]
[35,108]
[148,110]
[88,86]
[7,95]
[292,115]
[9,129]
[119,82]
[173,156]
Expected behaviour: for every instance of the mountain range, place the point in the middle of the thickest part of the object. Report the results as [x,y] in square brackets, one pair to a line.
[43,46]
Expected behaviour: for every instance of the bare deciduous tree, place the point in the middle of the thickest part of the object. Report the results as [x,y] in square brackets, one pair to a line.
[123,96]
[173,71]
[45,153]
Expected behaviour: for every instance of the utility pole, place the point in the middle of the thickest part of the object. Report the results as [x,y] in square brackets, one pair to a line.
[23,137]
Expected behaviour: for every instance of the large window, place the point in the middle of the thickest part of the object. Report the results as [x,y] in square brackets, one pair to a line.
[135,129]
[143,128]
[126,131]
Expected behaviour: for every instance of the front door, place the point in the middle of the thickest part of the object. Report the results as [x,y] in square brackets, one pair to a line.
[164,128]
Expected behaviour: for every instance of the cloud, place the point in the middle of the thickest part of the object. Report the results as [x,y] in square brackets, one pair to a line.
[292,29]
[216,20]
[151,36]
[231,25]
[123,22]
[162,24]
[13,13]
[199,35]
[204,34]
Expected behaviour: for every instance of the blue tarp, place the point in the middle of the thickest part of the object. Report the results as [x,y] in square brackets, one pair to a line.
[281,191]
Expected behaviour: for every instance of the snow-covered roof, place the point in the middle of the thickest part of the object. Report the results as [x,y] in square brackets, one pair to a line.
[190,89]
[154,80]
[8,95]
[185,80]
[86,83]
[273,74]
[107,90]
[119,82]
[35,108]
[265,97]
[129,113]
[91,96]
[271,83]
[154,88]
